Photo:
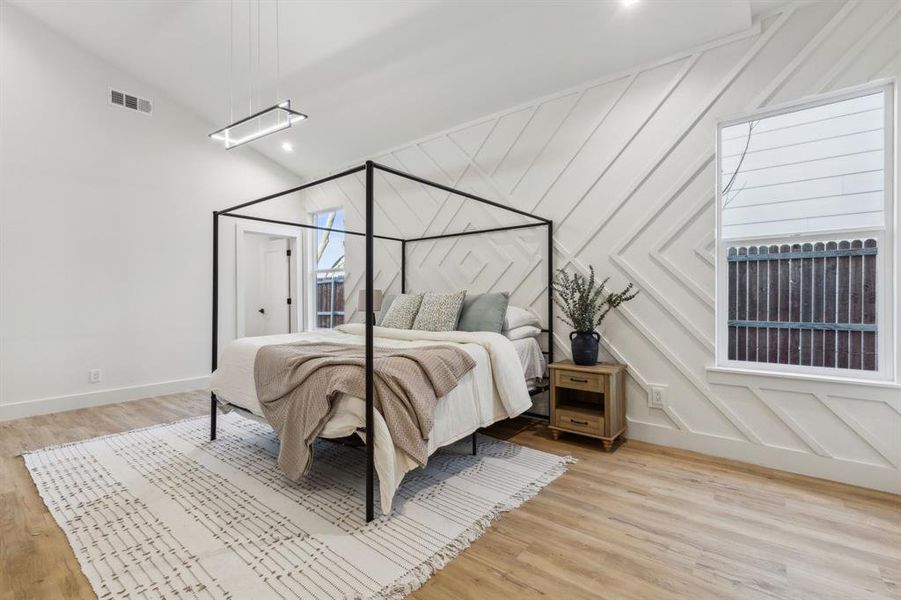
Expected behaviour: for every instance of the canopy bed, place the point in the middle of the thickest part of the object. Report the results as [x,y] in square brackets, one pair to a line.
[490,394]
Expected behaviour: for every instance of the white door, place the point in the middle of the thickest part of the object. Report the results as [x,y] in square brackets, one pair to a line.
[267,285]
[275,306]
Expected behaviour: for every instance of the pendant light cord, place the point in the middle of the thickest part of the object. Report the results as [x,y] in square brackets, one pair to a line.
[254,87]
[259,73]
[231,61]
[249,59]
[278,65]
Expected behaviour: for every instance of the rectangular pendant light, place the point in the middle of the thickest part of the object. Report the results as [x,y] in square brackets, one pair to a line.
[260,124]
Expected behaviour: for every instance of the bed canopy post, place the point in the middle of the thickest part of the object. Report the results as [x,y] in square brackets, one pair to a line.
[403,267]
[369,235]
[370,429]
[550,292]
[214,358]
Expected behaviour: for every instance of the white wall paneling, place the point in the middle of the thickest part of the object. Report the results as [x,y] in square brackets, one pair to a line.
[625,168]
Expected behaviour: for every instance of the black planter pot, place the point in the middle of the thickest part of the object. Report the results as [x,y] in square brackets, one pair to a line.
[584,347]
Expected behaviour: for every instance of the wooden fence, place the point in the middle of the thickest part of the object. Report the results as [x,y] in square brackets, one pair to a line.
[804,304]
[330,301]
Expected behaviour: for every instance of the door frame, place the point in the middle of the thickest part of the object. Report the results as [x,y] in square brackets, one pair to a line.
[295,243]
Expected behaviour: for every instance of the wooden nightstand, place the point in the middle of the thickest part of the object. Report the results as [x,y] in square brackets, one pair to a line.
[588,400]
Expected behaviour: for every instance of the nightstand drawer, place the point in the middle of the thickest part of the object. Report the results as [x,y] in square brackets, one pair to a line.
[591,382]
[581,421]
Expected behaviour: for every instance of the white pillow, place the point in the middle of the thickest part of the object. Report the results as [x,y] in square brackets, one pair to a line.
[519,333]
[517,317]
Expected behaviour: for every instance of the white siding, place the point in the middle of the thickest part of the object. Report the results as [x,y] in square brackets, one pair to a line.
[806,171]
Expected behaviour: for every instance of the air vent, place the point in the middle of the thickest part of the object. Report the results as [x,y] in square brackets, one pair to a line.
[125,100]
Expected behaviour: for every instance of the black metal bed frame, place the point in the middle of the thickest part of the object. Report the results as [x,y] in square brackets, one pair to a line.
[370,167]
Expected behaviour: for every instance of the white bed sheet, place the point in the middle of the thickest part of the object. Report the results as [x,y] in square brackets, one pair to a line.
[531,357]
[474,403]
[234,378]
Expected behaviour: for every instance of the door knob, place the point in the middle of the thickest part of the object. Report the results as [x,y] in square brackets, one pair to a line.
[262,311]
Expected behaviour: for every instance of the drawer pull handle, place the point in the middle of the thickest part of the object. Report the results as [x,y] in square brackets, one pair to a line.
[574,380]
[573,421]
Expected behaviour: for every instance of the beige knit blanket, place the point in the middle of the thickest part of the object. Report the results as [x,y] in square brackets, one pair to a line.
[298,385]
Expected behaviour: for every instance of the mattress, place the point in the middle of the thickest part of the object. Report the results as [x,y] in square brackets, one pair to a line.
[234,383]
[476,401]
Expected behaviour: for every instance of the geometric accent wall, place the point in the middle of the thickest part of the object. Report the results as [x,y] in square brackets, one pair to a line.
[625,168]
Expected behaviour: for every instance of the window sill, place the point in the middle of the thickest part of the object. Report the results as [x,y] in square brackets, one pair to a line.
[876,383]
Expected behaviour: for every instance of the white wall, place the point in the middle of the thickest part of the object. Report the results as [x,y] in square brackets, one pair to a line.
[625,167]
[106,229]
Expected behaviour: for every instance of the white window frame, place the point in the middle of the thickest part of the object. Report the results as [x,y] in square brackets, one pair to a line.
[886,260]
[313,271]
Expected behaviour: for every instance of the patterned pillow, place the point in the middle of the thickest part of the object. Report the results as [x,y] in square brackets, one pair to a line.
[439,312]
[402,311]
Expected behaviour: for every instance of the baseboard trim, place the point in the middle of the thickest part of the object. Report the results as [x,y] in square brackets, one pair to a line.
[871,476]
[43,406]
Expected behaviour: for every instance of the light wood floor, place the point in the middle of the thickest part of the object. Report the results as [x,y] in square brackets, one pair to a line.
[643,522]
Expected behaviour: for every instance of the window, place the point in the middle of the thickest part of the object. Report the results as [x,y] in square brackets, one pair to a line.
[804,234]
[328,269]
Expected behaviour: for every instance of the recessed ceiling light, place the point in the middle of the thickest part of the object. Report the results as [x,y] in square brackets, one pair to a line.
[628,3]
[287,146]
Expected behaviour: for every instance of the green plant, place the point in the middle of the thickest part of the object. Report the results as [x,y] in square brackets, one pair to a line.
[583,301]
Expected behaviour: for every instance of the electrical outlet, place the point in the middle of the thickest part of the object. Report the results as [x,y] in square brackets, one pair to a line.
[95,375]
[657,396]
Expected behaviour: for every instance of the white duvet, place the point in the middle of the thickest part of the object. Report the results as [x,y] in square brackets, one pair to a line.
[494,390]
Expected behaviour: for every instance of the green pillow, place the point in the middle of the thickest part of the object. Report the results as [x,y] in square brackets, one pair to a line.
[484,312]
[386,304]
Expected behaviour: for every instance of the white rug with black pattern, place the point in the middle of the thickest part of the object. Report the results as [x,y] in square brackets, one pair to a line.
[164,513]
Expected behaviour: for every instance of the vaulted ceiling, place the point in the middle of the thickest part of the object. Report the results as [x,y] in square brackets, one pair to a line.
[371,74]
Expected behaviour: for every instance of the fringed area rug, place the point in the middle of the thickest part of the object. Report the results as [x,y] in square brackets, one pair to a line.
[163,512]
